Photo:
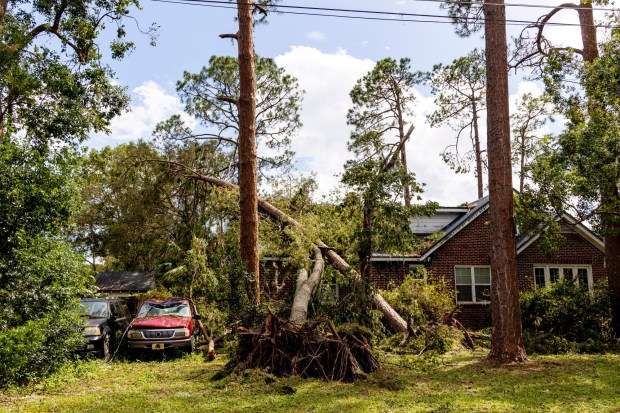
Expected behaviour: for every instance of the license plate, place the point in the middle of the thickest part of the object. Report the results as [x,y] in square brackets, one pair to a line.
[157,346]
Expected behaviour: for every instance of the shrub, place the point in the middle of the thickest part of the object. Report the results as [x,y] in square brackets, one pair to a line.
[424,303]
[37,348]
[565,317]
[40,325]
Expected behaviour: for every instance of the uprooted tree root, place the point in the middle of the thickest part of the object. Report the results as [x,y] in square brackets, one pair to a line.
[281,348]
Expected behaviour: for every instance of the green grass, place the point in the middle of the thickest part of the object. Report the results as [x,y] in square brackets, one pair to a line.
[462,382]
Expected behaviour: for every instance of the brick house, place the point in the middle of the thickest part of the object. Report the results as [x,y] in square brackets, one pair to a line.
[462,257]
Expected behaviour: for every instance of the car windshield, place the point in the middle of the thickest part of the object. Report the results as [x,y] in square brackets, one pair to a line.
[95,308]
[170,308]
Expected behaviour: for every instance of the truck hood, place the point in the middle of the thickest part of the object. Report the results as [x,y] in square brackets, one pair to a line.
[161,322]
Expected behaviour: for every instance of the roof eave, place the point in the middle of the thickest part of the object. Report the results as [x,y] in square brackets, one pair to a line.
[452,233]
[581,229]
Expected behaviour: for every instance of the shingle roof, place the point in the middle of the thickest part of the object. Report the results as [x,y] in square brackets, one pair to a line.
[478,206]
[125,281]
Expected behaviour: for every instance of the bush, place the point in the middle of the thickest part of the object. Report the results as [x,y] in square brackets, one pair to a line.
[37,348]
[565,317]
[424,303]
[40,325]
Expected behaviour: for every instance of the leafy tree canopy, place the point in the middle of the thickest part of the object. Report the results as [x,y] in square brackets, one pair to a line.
[53,85]
[211,96]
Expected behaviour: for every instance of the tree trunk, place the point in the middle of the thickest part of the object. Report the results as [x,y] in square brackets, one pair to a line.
[247,146]
[507,341]
[306,285]
[612,260]
[406,186]
[609,196]
[588,31]
[478,151]
[4,4]
[522,164]
[365,250]
[403,137]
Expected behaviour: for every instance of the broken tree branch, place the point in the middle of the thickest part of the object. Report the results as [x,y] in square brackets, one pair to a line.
[228,99]
[306,285]
[229,36]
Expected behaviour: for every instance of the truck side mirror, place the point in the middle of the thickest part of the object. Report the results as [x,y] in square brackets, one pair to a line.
[197,317]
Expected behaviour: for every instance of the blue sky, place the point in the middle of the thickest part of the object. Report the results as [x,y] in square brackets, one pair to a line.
[327,55]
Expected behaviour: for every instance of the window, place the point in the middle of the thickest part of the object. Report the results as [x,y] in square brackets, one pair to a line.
[545,275]
[473,284]
[165,308]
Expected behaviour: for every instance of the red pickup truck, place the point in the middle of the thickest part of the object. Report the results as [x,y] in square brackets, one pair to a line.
[163,323]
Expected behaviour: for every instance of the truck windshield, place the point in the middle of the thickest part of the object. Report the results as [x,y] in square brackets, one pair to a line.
[95,308]
[179,309]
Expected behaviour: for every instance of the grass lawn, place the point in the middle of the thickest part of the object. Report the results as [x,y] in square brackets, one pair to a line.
[457,383]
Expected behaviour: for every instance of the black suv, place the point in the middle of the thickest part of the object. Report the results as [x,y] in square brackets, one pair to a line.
[107,320]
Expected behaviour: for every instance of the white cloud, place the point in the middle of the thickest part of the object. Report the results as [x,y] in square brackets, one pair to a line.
[327,79]
[316,36]
[150,104]
[321,145]
[423,155]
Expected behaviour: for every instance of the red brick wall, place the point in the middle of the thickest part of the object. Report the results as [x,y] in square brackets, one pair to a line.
[472,246]
[575,250]
[382,273]
[475,316]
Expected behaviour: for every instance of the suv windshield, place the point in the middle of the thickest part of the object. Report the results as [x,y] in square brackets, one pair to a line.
[171,308]
[96,308]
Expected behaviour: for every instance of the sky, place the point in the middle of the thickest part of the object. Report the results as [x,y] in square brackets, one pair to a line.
[327,55]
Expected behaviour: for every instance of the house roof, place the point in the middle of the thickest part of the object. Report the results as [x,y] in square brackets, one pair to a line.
[525,241]
[458,224]
[473,211]
[125,281]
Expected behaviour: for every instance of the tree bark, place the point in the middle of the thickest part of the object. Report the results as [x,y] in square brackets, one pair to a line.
[4,4]
[478,151]
[588,30]
[306,285]
[248,198]
[507,341]
[365,250]
[406,186]
[612,260]
[522,164]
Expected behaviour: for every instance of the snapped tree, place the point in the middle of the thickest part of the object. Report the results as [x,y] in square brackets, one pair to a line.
[382,105]
[531,115]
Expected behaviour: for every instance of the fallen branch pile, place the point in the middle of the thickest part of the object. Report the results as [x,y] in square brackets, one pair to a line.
[447,320]
[281,348]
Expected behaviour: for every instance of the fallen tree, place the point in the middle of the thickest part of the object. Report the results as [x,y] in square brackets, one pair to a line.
[395,321]
[306,285]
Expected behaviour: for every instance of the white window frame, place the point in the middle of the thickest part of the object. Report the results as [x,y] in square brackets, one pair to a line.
[473,284]
[561,268]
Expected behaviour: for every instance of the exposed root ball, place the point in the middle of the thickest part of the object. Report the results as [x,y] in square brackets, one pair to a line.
[284,349]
